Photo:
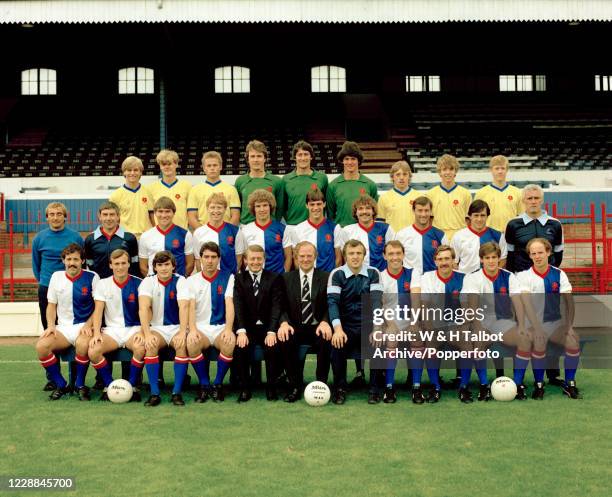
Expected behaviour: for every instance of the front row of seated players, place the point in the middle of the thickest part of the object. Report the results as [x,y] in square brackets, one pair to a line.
[79,299]
[261,308]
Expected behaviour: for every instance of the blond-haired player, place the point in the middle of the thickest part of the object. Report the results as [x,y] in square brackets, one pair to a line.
[170,186]
[450,200]
[395,205]
[197,212]
[504,199]
[134,200]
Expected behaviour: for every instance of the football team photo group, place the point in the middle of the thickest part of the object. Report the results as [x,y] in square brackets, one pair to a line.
[305,248]
[283,263]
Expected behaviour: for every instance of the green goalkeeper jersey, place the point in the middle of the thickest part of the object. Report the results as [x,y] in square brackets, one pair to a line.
[247,185]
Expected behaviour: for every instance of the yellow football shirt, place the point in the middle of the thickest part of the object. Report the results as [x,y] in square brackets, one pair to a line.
[505,203]
[178,192]
[134,206]
[199,194]
[449,208]
[395,207]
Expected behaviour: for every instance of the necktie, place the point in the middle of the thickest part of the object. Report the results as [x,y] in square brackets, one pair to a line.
[306,303]
[255,285]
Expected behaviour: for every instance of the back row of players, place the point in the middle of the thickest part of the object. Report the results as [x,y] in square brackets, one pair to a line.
[418,240]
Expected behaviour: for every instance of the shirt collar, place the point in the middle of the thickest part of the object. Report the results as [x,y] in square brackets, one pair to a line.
[542,218]
[309,274]
[402,193]
[348,273]
[98,233]
[133,190]
[218,182]
[258,275]
[169,185]
[341,178]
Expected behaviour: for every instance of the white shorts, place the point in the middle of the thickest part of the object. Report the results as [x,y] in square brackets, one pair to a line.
[210,331]
[121,335]
[70,331]
[167,331]
[498,325]
[549,327]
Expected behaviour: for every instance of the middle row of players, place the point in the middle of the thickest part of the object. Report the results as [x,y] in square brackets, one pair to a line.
[420,240]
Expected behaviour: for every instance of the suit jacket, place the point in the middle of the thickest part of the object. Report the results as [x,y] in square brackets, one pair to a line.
[292,310]
[266,307]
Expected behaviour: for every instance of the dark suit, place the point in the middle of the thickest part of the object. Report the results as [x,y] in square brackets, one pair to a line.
[250,309]
[304,334]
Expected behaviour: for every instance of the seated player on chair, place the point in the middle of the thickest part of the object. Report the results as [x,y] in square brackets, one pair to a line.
[70,298]
[163,300]
[542,287]
[497,292]
[211,321]
[116,300]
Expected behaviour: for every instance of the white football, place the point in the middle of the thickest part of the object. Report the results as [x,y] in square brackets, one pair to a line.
[503,389]
[317,394]
[120,391]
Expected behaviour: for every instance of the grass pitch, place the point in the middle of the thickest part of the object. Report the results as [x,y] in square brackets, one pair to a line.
[557,447]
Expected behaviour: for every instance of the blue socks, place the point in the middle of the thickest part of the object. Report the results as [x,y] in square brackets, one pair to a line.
[51,364]
[152,366]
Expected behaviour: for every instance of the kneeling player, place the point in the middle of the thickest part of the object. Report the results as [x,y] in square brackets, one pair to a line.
[497,291]
[211,319]
[116,300]
[164,312]
[70,297]
[545,283]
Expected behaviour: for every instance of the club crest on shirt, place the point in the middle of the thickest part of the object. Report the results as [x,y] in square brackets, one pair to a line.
[455,202]
[328,237]
[510,197]
[406,285]
[84,290]
[455,293]
[144,200]
[219,289]
[269,188]
[314,186]
[503,290]
[434,244]
[362,191]
[278,238]
[175,243]
[379,239]
[230,240]
[171,295]
[555,286]
[131,297]
[177,196]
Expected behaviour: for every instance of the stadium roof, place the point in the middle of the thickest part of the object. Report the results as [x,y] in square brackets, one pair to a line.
[320,11]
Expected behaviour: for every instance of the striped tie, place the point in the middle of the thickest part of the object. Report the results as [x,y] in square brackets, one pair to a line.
[306,303]
[255,285]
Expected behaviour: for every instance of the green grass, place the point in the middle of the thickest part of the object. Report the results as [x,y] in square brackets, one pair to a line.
[552,448]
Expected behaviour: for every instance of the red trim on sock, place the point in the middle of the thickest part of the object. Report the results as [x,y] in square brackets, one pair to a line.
[523,354]
[151,360]
[535,355]
[47,361]
[197,359]
[181,360]
[81,359]
[572,352]
[224,358]
[137,363]
[100,365]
